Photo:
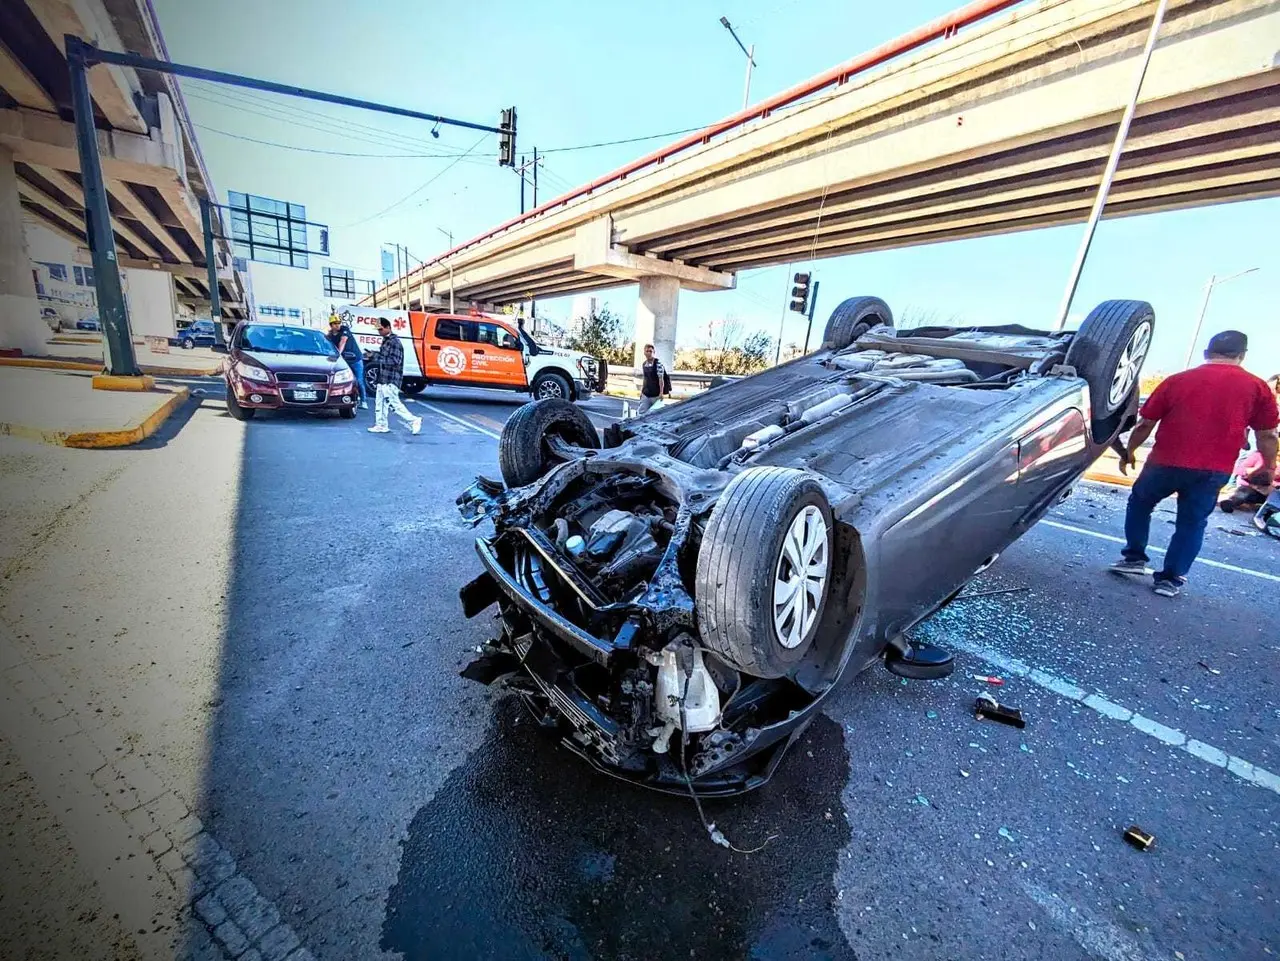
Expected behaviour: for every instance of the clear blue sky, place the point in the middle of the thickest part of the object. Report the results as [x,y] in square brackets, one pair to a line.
[583,73]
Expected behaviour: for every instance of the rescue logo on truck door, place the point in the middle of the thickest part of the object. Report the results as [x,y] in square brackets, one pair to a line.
[452,360]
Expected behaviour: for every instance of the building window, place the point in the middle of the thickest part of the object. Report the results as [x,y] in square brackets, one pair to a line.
[269,231]
[84,276]
[56,271]
[295,312]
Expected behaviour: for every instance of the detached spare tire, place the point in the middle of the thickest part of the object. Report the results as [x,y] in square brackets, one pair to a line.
[853,318]
[764,570]
[523,454]
[1108,351]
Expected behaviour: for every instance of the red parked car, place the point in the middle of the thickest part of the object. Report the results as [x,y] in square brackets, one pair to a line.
[278,367]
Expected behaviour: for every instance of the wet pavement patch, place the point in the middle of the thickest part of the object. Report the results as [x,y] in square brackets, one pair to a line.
[527,852]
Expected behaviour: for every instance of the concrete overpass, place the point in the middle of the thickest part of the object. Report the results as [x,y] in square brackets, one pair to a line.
[153,168]
[996,118]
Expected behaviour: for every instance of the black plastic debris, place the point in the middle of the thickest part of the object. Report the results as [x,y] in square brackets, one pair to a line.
[1139,838]
[987,706]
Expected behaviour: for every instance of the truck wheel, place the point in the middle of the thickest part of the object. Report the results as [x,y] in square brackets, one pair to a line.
[370,381]
[234,408]
[413,387]
[764,570]
[853,318]
[1108,351]
[523,455]
[551,384]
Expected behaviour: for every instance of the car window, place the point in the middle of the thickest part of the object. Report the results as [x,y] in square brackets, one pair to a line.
[285,340]
[455,330]
[495,335]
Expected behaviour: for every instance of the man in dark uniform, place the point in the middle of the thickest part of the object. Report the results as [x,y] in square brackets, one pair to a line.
[657,382]
[344,342]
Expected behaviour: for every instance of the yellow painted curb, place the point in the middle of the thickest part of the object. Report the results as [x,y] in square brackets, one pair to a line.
[95,439]
[50,363]
[1106,477]
[110,382]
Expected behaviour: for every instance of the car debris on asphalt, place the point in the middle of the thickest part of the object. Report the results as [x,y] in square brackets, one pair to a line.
[987,706]
[1139,838]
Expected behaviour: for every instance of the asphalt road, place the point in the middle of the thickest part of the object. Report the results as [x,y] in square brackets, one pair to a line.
[290,662]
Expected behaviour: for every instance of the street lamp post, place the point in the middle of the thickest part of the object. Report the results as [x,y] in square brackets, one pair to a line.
[1214,281]
[449,234]
[751,60]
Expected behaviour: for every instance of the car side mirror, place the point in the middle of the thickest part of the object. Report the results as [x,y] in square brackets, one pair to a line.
[219,348]
[510,343]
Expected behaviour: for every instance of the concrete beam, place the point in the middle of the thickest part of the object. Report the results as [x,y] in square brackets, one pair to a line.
[192,271]
[199,304]
[20,323]
[20,85]
[139,211]
[76,193]
[53,221]
[52,208]
[187,211]
[596,253]
[48,140]
[113,88]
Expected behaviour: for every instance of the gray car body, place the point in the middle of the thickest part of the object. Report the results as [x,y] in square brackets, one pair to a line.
[927,483]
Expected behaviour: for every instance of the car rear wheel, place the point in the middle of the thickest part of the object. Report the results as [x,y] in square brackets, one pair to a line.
[550,384]
[188,343]
[523,454]
[1108,351]
[234,408]
[853,318]
[413,387]
[370,380]
[764,570]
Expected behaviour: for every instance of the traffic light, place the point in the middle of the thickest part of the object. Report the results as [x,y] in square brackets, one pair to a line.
[507,138]
[800,294]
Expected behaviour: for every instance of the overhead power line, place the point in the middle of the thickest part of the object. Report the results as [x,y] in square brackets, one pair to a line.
[417,190]
[333,153]
[614,143]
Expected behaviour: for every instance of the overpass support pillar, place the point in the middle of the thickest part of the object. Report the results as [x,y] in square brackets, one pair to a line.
[656,318]
[20,323]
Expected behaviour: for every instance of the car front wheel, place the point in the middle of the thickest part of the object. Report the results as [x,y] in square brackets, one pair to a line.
[523,455]
[234,408]
[1108,352]
[188,343]
[764,570]
[552,385]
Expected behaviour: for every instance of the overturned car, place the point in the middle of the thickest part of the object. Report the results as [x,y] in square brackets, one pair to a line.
[679,599]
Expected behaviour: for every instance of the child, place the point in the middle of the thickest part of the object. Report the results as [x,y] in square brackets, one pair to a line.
[1246,494]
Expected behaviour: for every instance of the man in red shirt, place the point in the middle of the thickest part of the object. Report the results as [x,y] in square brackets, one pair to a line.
[1204,416]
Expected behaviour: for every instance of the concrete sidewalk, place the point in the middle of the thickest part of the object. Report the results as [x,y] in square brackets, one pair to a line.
[61,407]
[86,354]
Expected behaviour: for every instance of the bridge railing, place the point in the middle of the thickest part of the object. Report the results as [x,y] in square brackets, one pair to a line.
[684,383]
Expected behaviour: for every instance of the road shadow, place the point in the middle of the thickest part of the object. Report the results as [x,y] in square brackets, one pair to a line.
[527,852]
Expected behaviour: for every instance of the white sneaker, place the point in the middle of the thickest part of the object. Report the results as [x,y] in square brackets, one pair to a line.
[364,405]
[417,425]
[375,429]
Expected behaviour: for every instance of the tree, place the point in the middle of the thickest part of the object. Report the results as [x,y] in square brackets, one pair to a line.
[601,335]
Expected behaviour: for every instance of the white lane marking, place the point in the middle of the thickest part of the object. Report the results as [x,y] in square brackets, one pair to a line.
[1118,712]
[1099,937]
[460,420]
[1156,550]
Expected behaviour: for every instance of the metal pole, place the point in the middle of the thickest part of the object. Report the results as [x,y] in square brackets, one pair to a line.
[533,304]
[813,304]
[786,299]
[1108,175]
[1214,281]
[522,184]
[751,62]
[211,262]
[112,311]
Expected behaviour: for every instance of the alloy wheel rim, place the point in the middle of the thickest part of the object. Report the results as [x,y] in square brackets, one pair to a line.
[1129,366]
[549,388]
[800,577]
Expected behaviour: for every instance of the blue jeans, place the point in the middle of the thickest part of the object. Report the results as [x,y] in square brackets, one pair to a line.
[357,368]
[1197,492]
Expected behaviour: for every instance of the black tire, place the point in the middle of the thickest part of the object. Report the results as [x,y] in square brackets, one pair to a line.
[739,560]
[413,387]
[347,413]
[234,408]
[188,343]
[523,455]
[551,385]
[371,381]
[853,318]
[1116,333]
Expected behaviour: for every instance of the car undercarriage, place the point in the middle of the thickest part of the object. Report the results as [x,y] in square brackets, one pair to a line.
[677,598]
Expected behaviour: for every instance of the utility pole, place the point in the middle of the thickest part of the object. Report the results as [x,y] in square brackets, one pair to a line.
[211,262]
[751,60]
[533,304]
[1214,281]
[522,184]
[813,304]
[449,234]
[786,300]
